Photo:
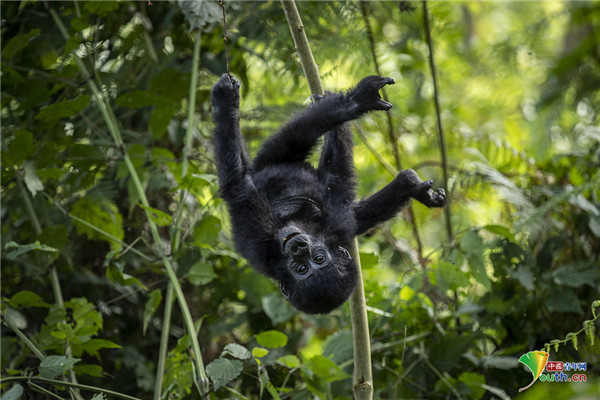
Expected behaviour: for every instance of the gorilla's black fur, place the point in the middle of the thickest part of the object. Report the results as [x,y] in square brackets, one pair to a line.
[291,221]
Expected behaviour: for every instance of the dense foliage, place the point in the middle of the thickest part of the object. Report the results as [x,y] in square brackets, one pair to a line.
[108,186]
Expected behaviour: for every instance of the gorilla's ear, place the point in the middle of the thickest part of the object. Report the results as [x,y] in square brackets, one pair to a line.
[283,290]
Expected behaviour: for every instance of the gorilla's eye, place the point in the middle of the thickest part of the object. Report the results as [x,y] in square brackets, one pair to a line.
[302,269]
[319,258]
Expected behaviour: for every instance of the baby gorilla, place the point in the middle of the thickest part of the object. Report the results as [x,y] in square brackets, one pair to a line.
[292,222]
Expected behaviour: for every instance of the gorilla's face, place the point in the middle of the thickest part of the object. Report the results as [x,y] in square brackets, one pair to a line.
[321,272]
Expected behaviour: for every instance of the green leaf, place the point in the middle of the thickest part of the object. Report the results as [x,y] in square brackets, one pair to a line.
[326,369]
[160,218]
[290,361]
[566,302]
[137,99]
[207,231]
[200,13]
[101,213]
[20,148]
[54,366]
[368,260]
[102,8]
[259,352]
[26,248]
[88,369]
[222,371]
[500,230]
[26,298]
[277,309]
[471,243]
[576,274]
[450,275]
[237,351]
[14,393]
[32,181]
[160,118]
[154,300]
[524,276]
[474,382]
[272,339]
[18,43]
[477,268]
[201,273]
[339,346]
[93,345]
[115,274]
[63,109]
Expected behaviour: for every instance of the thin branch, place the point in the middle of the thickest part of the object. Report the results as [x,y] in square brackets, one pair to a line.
[363,378]
[438,113]
[392,132]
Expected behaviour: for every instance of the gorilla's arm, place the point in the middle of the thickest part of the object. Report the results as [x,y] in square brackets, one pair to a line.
[295,140]
[384,204]
[251,216]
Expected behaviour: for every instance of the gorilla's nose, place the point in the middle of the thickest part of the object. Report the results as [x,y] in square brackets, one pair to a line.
[299,248]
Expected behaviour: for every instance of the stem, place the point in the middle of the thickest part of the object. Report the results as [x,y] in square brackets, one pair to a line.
[187,147]
[28,342]
[438,113]
[58,297]
[111,122]
[164,343]
[363,379]
[391,132]
[69,384]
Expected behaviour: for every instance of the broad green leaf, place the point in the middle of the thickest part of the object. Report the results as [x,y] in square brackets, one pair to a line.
[19,149]
[290,361]
[89,369]
[137,99]
[200,13]
[326,369]
[115,274]
[207,231]
[201,273]
[160,218]
[477,268]
[237,351]
[277,308]
[63,109]
[160,118]
[55,366]
[524,276]
[154,300]
[93,345]
[102,8]
[471,243]
[474,381]
[272,339]
[451,275]
[25,248]
[339,346]
[566,302]
[26,298]
[18,43]
[32,181]
[14,393]
[259,352]
[576,274]
[102,214]
[222,371]
[368,260]
[501,231]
